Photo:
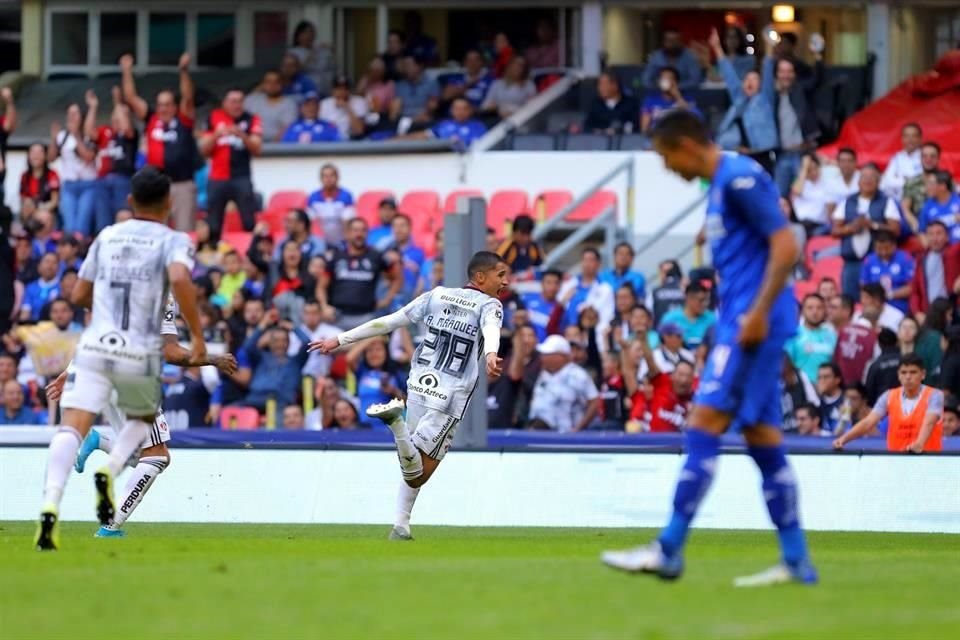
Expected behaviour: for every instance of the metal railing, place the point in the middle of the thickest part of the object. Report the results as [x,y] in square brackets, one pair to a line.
[606,220]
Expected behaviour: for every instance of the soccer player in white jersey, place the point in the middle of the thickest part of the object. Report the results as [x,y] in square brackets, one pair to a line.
[128,272]
[463,338]
[154,456]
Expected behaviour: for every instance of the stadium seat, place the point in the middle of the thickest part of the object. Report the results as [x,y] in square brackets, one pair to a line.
[276,219]
[239,418]
[831,267]
[564,121]
[368,204]
[815,245]
[533,142]
[594,206]
[803,288]
[423,207]
[450,203]
[633,142]
[548,203]
[588,142]
[239,240]
[504,207]
[294,199]
[232,222]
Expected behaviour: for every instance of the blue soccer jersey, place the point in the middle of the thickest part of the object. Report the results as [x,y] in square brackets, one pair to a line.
[742,213]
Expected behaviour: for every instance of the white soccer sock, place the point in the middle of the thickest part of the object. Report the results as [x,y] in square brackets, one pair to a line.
[60,457]
[411,465]
[406,497]
[129,440]
[107,439]
[140,481]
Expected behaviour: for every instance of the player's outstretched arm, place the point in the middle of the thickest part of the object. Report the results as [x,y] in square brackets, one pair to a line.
[376,327]
[783,255]
[177,355]
[82,294]
[858,430]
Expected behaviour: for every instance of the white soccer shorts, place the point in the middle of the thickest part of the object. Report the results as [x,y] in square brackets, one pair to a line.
[90,390]
[433,430]
[159,432]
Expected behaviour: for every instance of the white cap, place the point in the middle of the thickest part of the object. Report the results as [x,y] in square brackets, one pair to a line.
[554,345]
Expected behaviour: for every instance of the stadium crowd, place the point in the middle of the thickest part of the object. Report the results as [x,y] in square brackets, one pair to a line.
[603,349]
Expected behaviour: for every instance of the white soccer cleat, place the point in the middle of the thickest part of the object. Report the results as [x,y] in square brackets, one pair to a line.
[399,533]
[388,411]
[779,574]
[646,559]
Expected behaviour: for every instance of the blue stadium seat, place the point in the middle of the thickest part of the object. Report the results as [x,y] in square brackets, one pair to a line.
[588,142]
[533,142]
[633,142]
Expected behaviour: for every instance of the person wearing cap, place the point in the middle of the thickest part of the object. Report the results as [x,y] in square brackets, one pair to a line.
[276,111]
[309,127]
[694,318]
[669,353]
[344,110]
[890,267]
[565,398]
[381,236]
[296,83]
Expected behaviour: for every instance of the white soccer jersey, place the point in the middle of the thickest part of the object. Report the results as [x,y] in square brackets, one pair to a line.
[127,264]
[449,361]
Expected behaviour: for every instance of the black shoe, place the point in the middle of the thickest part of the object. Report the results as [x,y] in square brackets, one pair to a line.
[48,534]
[103,480]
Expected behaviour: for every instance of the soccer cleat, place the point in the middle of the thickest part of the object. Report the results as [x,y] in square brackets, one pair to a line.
[649,559]
[388,411]
[399,533]
[48,530]
[103,481]
[90,444]
[104,532]
[803,573]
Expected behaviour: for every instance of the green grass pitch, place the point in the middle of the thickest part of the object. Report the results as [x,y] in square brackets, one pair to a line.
[295,581]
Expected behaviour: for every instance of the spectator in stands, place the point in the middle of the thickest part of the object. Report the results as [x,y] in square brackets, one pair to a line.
[502,54]
[915,188]
[418,44]
[694,318]
[411,257]
[667,98]
[292,417]
[613,396]
[830,389]
[378,377]
[541,306]
[748,125]
[922,341]
[345,110]
[349,284]
[208,253]
[8,122]
[949,368]
[868,210]
[168,136]
[619,333]
[611,111]
[840,186]
[78,199]
[41,227]
[316,58]
[25,264]
[827,288]
[289,283]
[676,56]
[232,279]
[937,271]
[274,374]
[76,315]
[546,52]
[509,93]
[298,230]
[381,236]
[232,138]
[508,397]
[815,341]
[943,204]
[882,373]
[312,324]
[294,82]
[811,198]
[461,128]
[519,251]
[117,145]
[904,164]
[875,311]
[671,396]
[587,290]
[669,295]
[855,342]
[890,267]
[68,253]
[793,111]
[39,184]
[670,352]
[309,127]
[951,420]
[331,205]
[14,411]
[808,421]
[377,88]
[735,49]
[473,84]
[8,368]
[417,95]
[622,272]
[276,110]
[42,290]
[797,390]
[345,416]
[394,54]
[565,398]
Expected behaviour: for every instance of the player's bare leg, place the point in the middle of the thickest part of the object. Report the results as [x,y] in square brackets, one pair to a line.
[153,461]
[765,446]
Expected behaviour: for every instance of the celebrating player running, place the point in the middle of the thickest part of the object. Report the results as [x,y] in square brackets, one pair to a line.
[464,329]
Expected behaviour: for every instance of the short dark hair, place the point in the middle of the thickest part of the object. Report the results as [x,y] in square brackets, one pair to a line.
[624,245]
[353,221]
[674,271]
[815,296]
[884,235]
[150,188]
[873,166]
[552,272]
[593,251]
[887,339]
[670,70]
[938,223]
[932,145]
[952,408]
[483,261]
[912,360]
[834,368]
[828,279]
[848,150]
[812,157]
[522,224]
[858,387]
[847,302]
[912,125]
[874,290]
[59,299]
[403,216]
[693,288]
[302,217]
[944,178]
[810,408]
[677,124]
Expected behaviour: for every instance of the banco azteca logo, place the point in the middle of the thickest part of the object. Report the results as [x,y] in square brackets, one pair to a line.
[429,381]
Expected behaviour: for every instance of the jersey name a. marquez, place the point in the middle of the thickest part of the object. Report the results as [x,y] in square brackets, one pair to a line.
[448,363]
[127,264]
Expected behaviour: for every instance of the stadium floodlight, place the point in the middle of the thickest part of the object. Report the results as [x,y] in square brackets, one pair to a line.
[783,13]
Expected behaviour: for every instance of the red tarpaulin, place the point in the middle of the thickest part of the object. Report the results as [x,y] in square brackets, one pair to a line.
[931,99]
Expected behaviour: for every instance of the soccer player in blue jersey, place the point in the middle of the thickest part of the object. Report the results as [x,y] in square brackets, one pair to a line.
[753,250]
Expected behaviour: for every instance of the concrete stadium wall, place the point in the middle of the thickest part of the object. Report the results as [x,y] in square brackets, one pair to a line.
[847,493]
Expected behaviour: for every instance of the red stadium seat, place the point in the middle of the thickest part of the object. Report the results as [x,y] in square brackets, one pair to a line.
[232,222]
[239,418]
[450,204]
[548,203]
[802,288]
[423,207]
[368,204]
[816,245]
[504,207]
[831,267]
[294,199]
[275,219]
[239,240]
[594,206]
